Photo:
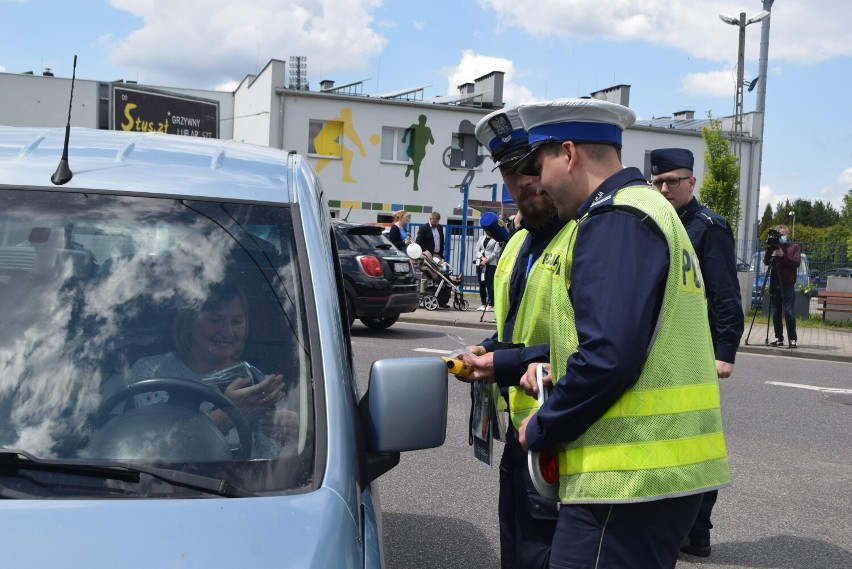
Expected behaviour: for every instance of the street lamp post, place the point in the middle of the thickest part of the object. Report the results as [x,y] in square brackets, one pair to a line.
[793,229]
[737,136]
[740,22]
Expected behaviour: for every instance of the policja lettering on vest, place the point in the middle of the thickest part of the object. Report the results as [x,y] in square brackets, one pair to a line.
[634,414]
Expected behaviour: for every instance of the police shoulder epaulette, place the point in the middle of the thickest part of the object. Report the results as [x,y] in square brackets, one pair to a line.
[710,217]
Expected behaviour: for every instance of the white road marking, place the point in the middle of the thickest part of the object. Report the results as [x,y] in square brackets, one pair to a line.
[811,387]
[432,351]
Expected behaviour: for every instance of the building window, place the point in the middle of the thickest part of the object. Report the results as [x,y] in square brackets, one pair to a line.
[324,137]
[393,147]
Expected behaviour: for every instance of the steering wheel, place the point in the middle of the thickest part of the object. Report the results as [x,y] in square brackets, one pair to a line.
[186,393]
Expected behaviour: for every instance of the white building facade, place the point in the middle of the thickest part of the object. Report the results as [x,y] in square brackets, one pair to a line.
[373,154]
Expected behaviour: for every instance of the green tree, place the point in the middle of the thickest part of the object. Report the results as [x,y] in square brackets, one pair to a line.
[845,223]
[845,217]
[765,222]
[720,190]
[823,215]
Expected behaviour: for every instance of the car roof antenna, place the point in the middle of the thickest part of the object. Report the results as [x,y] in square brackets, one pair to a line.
[346,217]
[63,172]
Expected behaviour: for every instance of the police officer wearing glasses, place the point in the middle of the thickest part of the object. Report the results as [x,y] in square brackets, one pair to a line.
[711,236]
[634,414]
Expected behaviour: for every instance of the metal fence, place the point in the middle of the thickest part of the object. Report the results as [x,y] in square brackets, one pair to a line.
[460,249]
[821,256]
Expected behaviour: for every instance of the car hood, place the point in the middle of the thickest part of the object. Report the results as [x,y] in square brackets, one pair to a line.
[308,530]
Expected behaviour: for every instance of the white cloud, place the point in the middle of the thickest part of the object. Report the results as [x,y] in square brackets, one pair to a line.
[228,86]
[801,31]
[768,196]
[712,83]
[189,42]
[827,194]
[418,25]
[474,65]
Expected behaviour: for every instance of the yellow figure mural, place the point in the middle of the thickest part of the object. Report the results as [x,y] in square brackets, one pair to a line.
[329,142]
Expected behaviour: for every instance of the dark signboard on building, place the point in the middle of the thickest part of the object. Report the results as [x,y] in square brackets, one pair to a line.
[154,111]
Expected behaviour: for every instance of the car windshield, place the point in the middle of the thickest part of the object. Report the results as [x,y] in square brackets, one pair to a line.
[157,332]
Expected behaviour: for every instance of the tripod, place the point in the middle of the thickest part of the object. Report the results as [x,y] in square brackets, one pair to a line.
[769,272]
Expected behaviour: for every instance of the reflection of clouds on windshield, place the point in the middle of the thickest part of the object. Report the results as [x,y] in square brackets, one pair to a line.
[41,374]
[54,347]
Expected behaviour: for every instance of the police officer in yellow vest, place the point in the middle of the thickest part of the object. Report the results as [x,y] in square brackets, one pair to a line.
[634,414]
[522,286]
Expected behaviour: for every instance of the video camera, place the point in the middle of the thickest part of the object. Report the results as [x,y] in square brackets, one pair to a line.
[773,240]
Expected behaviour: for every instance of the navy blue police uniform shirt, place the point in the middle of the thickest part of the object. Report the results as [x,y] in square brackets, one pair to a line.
[511,364]
[618,278]
[713,242]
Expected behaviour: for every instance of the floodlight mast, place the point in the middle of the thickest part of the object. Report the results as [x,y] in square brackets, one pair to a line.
[748,232]
[741,23]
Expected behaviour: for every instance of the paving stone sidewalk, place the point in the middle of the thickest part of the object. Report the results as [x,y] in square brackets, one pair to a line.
[833,344]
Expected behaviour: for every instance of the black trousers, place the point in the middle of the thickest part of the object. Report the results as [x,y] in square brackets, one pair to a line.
[644,535]
[701,526]
[486,283]
[783,299]
[527,519]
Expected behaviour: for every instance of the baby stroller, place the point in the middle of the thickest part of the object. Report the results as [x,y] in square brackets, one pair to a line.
[442,283]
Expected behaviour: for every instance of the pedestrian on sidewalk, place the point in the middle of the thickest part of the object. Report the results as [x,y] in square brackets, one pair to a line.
[487,254]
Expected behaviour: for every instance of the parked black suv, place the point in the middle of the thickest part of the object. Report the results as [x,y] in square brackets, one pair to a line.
[380,279]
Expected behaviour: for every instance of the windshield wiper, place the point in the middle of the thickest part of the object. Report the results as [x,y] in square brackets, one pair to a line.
[123,471]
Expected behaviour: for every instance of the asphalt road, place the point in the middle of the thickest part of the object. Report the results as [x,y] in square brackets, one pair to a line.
[790,446]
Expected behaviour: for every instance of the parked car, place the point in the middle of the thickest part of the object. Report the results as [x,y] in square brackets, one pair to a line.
[118,447]
[379,279]
[760,272]
[821,280]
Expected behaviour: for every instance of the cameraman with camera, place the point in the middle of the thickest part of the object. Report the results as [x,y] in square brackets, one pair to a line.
[783,258]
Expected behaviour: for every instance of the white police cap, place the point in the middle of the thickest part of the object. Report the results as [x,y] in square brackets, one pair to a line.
[579,120]
[503,134]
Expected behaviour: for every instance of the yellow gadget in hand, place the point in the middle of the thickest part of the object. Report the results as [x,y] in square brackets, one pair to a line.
[457,367]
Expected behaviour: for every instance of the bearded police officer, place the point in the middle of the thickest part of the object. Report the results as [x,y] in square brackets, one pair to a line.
[522,291]
[634,413]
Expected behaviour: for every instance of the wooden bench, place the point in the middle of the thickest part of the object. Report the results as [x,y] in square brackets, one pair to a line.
[833,301]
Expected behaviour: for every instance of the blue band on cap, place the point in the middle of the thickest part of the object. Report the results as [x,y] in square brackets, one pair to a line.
[577,131]
[515,147]
[517,136]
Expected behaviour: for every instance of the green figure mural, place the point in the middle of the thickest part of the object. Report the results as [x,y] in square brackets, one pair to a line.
[418,136]
[328,142]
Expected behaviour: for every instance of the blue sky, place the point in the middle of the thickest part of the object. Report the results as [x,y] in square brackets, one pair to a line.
[676,55]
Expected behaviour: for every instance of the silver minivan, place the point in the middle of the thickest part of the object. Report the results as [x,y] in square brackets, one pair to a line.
[176,387]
